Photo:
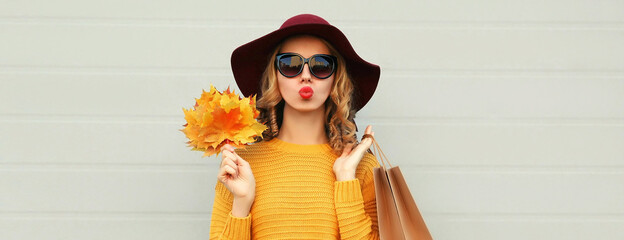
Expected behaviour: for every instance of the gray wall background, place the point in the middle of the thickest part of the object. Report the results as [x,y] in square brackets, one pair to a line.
[507,117]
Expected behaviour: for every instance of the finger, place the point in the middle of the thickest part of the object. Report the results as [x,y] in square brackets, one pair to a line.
[240,161]
[230,170]
[225,147]
[227,156]
[368,133]
[222,176]
[236,156]
[369,129]
[242,164]
[228,147]
[229,162]
[364,144]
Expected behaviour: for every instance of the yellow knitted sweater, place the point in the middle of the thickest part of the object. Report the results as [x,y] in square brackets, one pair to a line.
[298,197]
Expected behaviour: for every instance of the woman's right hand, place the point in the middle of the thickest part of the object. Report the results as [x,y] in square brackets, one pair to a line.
[235,173]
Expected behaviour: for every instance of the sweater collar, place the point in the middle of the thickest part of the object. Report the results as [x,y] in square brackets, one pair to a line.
[292,147]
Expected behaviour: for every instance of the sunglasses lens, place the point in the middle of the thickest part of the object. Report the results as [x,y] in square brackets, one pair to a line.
[290,65]
[322,66]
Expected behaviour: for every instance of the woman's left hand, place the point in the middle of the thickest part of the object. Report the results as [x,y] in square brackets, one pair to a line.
[347,163]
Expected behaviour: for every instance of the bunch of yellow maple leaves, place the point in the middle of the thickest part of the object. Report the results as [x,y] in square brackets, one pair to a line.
[221,118]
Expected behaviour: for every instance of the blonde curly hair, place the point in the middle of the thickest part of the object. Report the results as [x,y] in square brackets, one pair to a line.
[339,112]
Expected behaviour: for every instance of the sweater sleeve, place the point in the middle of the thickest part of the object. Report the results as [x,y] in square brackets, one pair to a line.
[355,203]
[223,225]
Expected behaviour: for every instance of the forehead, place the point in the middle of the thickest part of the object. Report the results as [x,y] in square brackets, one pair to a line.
[305,45]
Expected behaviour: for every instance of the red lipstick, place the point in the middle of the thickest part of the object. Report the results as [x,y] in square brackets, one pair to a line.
[306,92]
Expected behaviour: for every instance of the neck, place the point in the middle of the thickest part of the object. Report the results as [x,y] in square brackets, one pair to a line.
[303,127]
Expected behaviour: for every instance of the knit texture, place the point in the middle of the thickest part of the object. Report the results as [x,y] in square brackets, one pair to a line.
[298,197]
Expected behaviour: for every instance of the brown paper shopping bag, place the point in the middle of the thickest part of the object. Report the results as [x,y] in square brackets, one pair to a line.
[397,214]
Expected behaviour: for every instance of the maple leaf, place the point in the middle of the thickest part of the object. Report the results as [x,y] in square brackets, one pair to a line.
[220,118]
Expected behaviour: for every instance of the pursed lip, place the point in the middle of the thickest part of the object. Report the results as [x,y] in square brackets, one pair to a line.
[306,92]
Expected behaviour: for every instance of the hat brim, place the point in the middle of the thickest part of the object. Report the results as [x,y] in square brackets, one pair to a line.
[250,60]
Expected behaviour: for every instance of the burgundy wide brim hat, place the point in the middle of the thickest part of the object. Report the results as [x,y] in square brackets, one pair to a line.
[250,60]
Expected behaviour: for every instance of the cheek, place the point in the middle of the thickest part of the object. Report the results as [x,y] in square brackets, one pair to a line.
[285,86]
[327,85]
[280,83]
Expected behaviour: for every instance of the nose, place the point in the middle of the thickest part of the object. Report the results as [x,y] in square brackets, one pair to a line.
[305,73]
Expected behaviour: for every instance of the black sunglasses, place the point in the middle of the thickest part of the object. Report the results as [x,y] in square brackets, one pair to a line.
[291,64]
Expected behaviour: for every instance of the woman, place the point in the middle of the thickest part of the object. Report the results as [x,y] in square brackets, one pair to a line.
[305,179]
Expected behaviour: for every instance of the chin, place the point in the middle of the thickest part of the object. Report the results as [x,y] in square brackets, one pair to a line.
[307,106]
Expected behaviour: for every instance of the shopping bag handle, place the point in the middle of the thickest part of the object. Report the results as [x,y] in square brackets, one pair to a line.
[378,152]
